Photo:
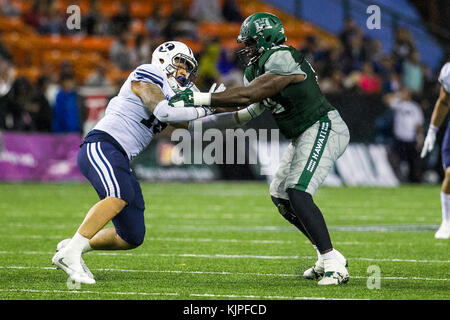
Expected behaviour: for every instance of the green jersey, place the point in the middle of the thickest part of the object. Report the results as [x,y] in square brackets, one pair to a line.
[298,106]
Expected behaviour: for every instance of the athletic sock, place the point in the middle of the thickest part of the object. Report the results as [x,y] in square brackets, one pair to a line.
[78,243]
[445,204]
[328,255]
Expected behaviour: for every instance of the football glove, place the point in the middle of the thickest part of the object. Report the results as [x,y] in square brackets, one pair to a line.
[430,140]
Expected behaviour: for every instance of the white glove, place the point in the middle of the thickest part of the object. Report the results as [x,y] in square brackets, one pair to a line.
[430,140]
[220,88]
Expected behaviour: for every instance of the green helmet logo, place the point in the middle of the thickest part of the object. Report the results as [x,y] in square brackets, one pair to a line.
[261,30]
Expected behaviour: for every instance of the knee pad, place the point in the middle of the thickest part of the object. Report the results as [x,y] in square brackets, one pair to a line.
[134,237]
[284,208]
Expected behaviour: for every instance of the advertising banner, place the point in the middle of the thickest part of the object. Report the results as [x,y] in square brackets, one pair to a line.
[39,157]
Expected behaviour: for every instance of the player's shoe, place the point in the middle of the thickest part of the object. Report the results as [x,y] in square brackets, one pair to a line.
[335,273]
[318,269]
[443,231]
[71,265]
[64,243]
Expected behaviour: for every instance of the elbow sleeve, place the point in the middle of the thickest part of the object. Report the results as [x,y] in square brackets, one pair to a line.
[165,113]
[219,121]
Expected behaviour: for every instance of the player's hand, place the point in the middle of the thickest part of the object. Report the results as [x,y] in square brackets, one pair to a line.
[182,99]
[220,88]
[429,142]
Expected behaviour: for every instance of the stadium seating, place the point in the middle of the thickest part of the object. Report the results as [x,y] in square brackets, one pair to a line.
[31,50]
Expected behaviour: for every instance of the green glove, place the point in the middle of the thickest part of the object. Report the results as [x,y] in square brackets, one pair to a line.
[183,98]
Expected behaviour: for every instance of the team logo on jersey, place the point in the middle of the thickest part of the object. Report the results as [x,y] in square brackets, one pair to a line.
[166,47]
[262,24]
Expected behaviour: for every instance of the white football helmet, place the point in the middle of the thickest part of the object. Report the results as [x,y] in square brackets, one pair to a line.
[168,56]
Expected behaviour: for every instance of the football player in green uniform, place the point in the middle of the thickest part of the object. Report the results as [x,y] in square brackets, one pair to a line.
[280,79]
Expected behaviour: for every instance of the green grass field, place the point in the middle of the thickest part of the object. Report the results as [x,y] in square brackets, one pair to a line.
[226,241]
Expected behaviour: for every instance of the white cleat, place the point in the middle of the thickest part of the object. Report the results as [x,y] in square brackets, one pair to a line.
[72,266]
[318,270]
[443,231]
[64,243]
[335,273]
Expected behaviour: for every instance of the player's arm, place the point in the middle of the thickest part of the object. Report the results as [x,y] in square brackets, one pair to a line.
[260,88]
[440,111]
[155,101]
[441,108]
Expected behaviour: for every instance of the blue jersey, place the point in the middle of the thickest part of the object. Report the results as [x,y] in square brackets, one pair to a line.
[127,119]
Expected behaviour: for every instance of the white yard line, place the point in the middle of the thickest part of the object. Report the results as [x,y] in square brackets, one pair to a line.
[204,295]
[253,241]
[281,275]
[222,256]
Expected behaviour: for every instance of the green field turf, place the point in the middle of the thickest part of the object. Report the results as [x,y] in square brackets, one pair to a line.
[226,241]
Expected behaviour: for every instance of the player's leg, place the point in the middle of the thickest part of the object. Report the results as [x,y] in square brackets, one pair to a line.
[106,168]
[317,149]
[129,227]
[444,230]
[279,195]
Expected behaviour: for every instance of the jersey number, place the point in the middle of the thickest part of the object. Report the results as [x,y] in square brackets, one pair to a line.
[154,124]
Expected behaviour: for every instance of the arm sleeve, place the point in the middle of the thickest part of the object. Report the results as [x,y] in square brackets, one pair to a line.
[166,113]
[282,63]
[219,121]
[444,77]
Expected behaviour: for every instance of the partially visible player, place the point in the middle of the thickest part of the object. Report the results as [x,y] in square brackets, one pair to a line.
[440,112]
[139,112]
[279,78]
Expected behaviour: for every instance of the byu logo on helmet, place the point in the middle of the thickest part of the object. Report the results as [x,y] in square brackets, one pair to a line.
[168,46]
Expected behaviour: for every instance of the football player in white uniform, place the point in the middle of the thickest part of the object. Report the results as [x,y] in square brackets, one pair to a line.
[132,119]
[440,112]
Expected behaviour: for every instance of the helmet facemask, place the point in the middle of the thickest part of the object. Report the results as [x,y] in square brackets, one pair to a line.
[250,53]
[183,69]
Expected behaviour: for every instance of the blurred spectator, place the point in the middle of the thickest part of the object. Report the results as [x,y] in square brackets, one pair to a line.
[206,10]
[120,54]
[98,78]
[354,53]
[52,22]
[155,24]
[332,84]
[408,124]
[121,21]
[94,22]
[332,60]
[7,76]
[231,11]
[179,24]
[350,29]
[390,78]
[230,74]
[403,46]
[67,110]
[38,109]
[13,105]
[142,52]
[369,82]
[35,17]
[4,52]
[310,48]
[208,65]
[9,9]
[412,73]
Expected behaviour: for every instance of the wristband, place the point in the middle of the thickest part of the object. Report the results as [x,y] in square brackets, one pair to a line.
[433,128]
[201,112]
[202,98]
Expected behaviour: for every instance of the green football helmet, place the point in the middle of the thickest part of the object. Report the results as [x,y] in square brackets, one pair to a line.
[259,32]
